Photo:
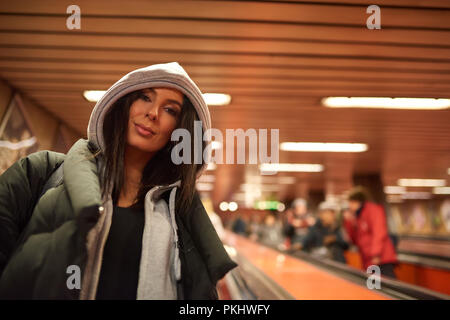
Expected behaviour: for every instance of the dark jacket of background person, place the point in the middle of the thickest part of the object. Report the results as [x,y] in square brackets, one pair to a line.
[369,233]
[296,233]
[315,239]
[296,227]
[41,238]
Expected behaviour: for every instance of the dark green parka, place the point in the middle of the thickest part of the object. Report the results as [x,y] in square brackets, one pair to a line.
[40,239]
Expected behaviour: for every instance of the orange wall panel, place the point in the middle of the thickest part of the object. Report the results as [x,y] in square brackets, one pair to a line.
[427,277]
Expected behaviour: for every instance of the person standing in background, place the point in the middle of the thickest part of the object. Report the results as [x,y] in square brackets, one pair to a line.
[324,238]
[298,223]
[366,225]
[271,231]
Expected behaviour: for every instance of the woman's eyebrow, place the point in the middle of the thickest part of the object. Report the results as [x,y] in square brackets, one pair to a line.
[151,90]
[175,101]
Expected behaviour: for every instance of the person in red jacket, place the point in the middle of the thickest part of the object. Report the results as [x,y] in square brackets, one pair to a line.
[367,228]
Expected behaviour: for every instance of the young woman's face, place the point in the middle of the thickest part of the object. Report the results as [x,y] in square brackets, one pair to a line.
[153,117]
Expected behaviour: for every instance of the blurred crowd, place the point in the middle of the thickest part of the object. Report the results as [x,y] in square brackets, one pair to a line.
[326,232]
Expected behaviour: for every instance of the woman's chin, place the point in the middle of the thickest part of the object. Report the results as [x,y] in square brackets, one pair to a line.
[143,146]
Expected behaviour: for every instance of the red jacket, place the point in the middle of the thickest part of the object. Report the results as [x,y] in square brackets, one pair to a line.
[370,234]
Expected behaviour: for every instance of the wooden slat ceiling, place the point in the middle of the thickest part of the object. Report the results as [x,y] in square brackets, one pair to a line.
[276,59]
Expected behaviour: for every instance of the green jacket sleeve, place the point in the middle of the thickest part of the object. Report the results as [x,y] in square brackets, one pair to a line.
[20,187]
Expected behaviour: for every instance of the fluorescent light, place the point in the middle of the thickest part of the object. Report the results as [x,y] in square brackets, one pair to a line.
[387,103]
[323,147]
[212,99]
[223,206]
[217,99]
[441,190]
[201,186]
[416,195]
[271,180]
[232,206]
[421,182]
[207,178]
[93,95]
[394,190]
[18,145]
[291,167]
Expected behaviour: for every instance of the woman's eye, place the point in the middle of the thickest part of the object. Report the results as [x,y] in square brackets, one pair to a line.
[171,111]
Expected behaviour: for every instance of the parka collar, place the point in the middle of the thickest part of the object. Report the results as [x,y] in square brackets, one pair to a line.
[157,191]
[81,177]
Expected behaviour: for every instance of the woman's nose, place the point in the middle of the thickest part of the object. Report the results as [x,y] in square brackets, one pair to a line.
[152,112]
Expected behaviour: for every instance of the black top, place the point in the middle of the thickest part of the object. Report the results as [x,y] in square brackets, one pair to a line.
[121,256]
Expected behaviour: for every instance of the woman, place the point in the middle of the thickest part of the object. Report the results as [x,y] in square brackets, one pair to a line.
[126,223]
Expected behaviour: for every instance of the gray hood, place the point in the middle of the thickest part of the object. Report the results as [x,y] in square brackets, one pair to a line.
[170,75]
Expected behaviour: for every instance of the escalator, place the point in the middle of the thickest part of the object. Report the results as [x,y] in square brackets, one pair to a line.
[266,273]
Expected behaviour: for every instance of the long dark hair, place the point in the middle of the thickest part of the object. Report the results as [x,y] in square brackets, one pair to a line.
[160,170]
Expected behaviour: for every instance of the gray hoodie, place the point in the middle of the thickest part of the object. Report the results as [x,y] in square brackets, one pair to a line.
[160,262]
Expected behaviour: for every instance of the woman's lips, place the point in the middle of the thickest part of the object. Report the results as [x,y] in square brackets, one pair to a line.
[143,131]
